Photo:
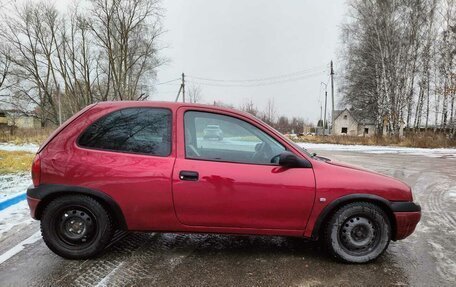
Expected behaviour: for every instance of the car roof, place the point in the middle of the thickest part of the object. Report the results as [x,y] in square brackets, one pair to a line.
[169,105]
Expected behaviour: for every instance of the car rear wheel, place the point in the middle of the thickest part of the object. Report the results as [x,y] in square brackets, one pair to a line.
[358,232]
[76,226]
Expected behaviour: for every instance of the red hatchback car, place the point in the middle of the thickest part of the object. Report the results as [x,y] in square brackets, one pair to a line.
[147,166]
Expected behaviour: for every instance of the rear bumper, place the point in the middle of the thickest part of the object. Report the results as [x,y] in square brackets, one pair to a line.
[407,215]
[33,204]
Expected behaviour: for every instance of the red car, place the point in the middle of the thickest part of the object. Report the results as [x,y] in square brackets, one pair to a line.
[146,166]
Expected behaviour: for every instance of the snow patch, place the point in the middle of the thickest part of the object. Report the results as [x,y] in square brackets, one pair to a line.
[447,265]
[33,148]
[10,186]
[105,281]
[13,216]
[13,184]
[430,152]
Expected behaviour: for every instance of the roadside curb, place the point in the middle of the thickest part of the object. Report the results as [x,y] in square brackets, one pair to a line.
[12,200]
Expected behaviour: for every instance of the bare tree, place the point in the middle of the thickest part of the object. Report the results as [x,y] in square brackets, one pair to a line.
[5,64]
[194,94]
[269,114]
[31,45]
[282,124]
[447,64]
[394,53]
[57,63]
[249,107]
[127,33]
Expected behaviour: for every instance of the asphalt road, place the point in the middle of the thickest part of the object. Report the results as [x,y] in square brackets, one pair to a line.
[427,258]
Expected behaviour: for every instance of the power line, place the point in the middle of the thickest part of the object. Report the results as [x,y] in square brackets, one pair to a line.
[167,82]
[309,70]
[257,84]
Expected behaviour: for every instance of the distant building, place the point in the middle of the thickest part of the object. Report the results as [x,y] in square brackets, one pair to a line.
[320,130]
[12,118]
[346,122]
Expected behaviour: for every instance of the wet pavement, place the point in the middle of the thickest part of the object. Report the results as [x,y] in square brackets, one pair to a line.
[427,258]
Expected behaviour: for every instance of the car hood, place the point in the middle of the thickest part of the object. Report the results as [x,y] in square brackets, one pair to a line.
[336,175]
[352,166]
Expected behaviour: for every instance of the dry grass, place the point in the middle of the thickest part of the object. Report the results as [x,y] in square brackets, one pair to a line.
[421,140]
[15,161]
[23,136]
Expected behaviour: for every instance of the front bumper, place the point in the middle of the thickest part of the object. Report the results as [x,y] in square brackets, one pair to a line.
[407,215]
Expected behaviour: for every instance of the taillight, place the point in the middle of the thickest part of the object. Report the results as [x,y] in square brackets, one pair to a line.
[36,170]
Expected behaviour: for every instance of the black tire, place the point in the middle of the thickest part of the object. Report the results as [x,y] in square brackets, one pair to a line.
[76,226]
[358,232]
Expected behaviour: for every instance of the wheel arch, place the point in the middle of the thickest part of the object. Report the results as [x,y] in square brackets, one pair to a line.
[336,204]
[48,192]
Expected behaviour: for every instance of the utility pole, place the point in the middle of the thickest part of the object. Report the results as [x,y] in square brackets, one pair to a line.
[332,97]
[321,112]
[324,116]
[181,89]
[325,122]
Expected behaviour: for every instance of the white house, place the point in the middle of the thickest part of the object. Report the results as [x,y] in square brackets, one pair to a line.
[347,123]
[12,118]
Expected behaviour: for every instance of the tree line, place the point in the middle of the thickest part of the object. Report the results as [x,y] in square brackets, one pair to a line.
[270,116]
[54,63]
[399,63]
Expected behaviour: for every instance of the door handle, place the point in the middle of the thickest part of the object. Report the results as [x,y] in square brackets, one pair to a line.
[188,175]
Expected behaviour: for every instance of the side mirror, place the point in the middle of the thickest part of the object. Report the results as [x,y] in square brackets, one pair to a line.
[290,160]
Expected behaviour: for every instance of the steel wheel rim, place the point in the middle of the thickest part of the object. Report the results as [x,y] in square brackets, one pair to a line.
[76,226]
[359,235]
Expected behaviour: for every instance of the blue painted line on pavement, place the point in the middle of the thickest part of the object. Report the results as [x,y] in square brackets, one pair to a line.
[13,200]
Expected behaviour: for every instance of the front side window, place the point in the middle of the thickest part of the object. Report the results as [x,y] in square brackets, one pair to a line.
[134,130]
[217,137]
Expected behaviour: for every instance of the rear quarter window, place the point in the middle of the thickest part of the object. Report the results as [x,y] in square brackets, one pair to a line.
[131,130]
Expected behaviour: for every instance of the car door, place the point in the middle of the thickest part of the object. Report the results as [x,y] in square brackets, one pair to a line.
[128,154]
[231,182]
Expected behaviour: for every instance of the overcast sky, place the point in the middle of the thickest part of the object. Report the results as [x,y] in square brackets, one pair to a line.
[243,40]
[227,40]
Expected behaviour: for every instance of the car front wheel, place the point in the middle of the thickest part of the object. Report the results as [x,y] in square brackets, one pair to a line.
[358,232]
[76,226]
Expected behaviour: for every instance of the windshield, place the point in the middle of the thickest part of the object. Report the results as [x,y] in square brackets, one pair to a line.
[287,139]
[299,147]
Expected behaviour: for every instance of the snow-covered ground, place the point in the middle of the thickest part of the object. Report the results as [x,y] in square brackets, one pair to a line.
[14,215]
[13,184]
[10,186]
[436,152]
[13,147]
[431,152]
